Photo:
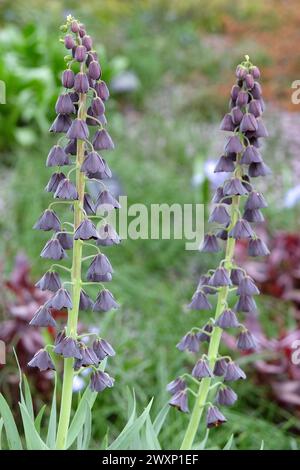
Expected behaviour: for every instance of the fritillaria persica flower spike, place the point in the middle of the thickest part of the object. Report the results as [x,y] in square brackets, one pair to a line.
[236,206]
[79,106]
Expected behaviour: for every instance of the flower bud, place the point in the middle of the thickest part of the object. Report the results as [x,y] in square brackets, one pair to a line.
[68,78]
[87,42]
[69,41]
[81,83]
[94,70]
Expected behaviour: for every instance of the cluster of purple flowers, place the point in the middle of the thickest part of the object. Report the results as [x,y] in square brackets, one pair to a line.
[80,112]
[236,206]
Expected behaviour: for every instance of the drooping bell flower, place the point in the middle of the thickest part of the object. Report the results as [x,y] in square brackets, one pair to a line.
[106,199]
[199,301]
[49,281]
[99,268]
[57,157]
[68,347]
[100,381]
[48,221]
[64,104]
[246,341]
[43,318]
[176,386]
[86,231]
[233,372]
[81,83]
[108,236]
[61,124]
[88,357]
[102,349]
[85,302]
[53,250]
[42,361]
[66,240]
[226,396]
[61,299]
[78,130]
[210,244]
[180,401]
[54,181]
[66,190]
[68,77]
[103,141]
[201,369]
[214,417]
[227,319]
[105,302]
[93,163]
[189,342]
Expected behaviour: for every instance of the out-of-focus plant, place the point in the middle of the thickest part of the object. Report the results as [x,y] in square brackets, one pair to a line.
[277,364]
[20,299]
[241,159]
[31,83]
[278,275]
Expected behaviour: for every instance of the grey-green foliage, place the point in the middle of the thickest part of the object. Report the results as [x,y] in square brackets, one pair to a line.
[31,64]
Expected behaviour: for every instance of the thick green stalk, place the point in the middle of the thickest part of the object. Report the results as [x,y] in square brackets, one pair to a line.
[214,343]
[67,388]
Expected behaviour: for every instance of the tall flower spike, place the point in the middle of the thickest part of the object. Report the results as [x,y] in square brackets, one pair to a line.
[78,106]
[236,206]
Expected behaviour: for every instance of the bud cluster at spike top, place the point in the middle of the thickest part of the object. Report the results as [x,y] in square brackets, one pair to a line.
[236,205]
[80,123]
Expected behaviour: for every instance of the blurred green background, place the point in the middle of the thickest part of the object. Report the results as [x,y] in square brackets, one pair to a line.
[170,65]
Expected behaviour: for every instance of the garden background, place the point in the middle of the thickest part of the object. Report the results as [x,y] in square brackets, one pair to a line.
[170,65]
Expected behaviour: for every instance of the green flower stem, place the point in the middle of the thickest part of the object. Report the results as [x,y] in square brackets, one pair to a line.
[214,344]
[67,388]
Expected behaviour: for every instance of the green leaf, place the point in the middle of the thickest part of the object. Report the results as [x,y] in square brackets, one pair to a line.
[131,411]
[11,431]
[79,440]
[38,419]
[78,420]
[1,427]
[84,436]
[20,377]
[151,437]
[228,443]
[28,399]
[131,407]
[160,419]
[33,440]
[104,444]
[87,428]
[130,431]
[51,435]
[202,444]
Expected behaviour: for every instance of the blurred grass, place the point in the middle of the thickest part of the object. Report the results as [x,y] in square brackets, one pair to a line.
[159,138]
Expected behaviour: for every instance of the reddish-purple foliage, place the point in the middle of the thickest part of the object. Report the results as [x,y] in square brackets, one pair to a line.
[20,300]
[277,276]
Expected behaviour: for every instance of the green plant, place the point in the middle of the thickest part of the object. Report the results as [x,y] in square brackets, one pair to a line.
[84,97]
[241,158]
[31,83]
